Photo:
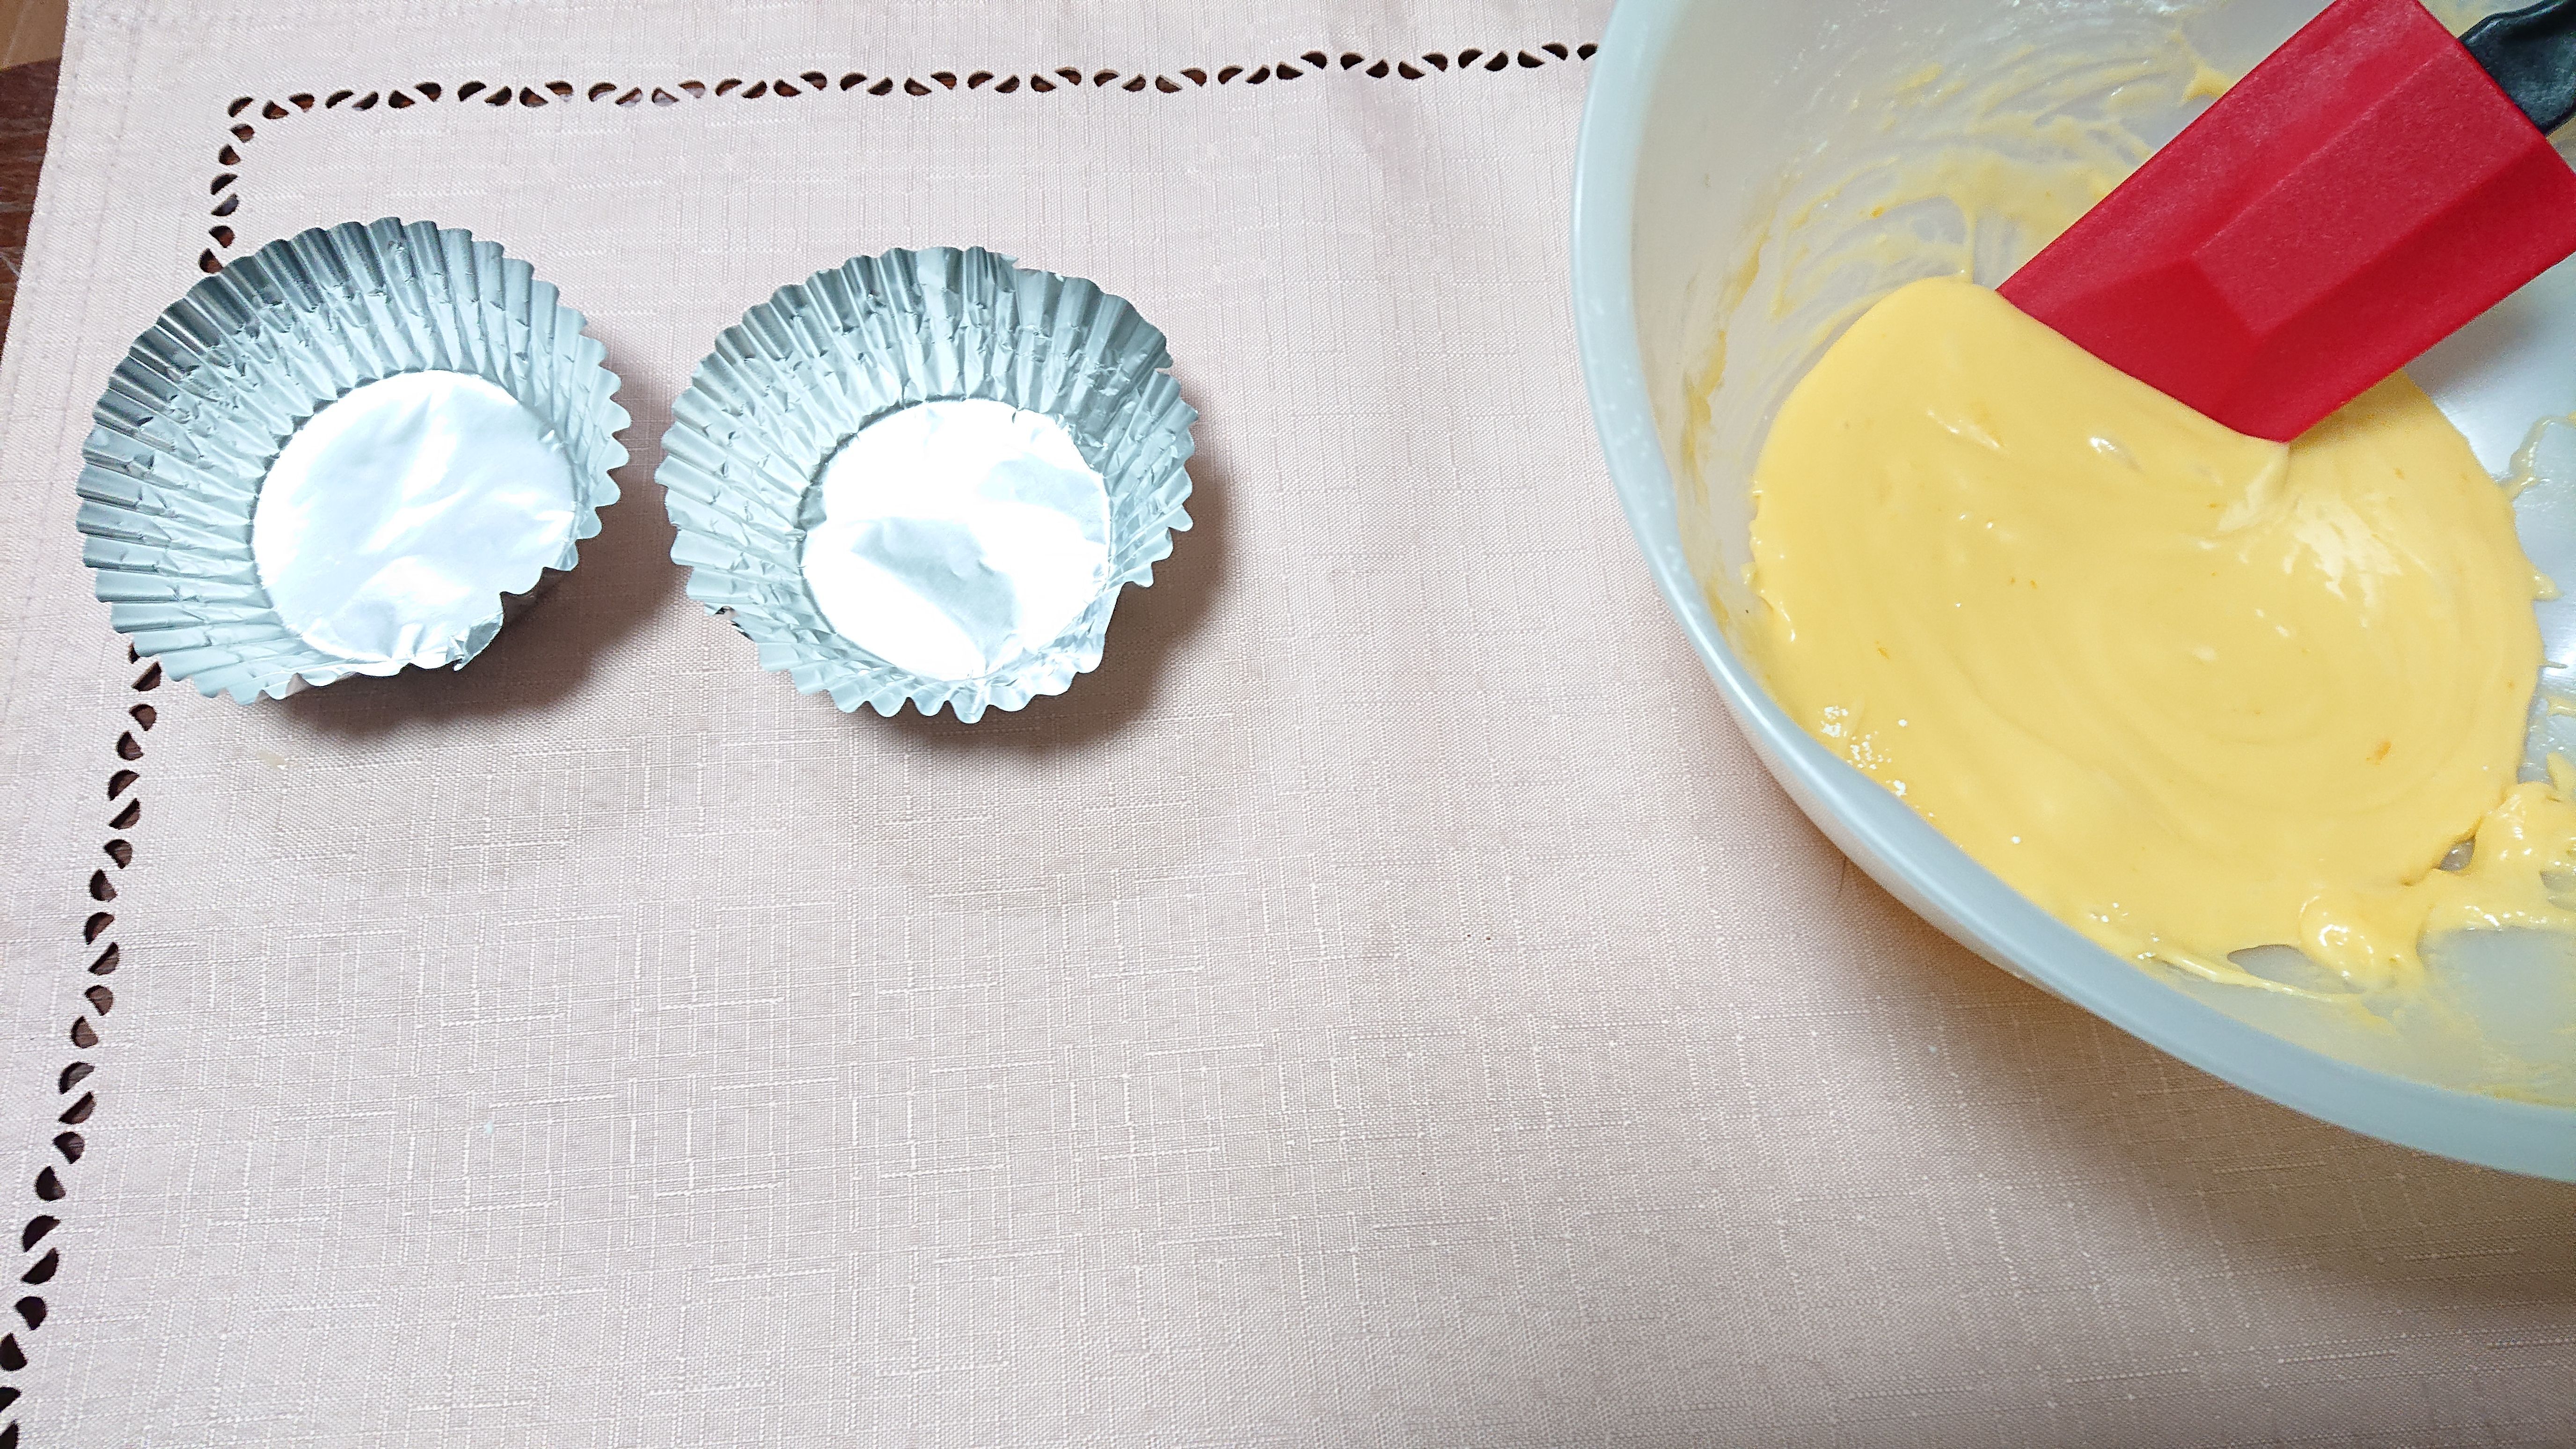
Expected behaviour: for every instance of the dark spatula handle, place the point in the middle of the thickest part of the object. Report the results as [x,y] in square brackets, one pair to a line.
[2532,54]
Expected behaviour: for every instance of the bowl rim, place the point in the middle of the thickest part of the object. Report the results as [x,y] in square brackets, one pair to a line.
[1974,907]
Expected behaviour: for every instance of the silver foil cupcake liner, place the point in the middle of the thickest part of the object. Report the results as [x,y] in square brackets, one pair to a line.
[762,475]
[444,373]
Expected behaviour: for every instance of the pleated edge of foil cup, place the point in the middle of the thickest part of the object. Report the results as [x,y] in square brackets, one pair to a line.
[738,514]
[170,549]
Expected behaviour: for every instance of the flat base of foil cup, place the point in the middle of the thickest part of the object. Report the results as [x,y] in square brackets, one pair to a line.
[439,432]
[514,607]
[396,520]
[964,602]
[952,539]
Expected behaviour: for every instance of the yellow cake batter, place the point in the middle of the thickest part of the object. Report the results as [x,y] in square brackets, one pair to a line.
[2190,691]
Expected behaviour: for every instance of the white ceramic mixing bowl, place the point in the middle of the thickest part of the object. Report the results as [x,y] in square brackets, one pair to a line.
[1701,112]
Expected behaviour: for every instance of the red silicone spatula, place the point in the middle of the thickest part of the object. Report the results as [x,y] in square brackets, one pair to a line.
[2371,186]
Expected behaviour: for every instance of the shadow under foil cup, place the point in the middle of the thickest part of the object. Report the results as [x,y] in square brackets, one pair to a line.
[341,455]
[926,476]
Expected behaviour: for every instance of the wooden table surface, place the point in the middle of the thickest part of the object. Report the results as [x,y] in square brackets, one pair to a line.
[31,44]
[31,30]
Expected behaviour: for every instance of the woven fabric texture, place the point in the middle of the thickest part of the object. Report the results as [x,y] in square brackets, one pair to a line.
[1386,1004]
